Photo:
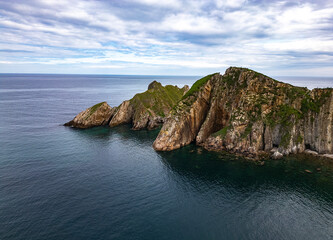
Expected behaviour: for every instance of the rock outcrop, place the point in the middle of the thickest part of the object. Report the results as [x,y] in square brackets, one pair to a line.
[183,125]
[97,115]
[247,112]
[144,110]
[148,109]
[241,111]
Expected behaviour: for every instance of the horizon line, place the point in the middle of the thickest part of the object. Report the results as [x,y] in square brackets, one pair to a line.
[108,74]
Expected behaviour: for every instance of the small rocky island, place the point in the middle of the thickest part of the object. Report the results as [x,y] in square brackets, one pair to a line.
[242,112]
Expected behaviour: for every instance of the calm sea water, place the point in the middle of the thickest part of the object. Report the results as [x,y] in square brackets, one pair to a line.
[101,183]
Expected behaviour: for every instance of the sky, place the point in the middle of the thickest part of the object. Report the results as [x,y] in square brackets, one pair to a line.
[166,37]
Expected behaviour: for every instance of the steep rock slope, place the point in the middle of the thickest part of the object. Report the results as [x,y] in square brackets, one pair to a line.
[148,109]
[144,110]
[247,112]
[96,115]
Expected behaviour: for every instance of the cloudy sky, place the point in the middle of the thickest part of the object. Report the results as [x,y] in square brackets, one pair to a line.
[166,37]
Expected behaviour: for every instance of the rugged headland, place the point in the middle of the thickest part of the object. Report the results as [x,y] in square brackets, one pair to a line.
[241,111]
[144,110]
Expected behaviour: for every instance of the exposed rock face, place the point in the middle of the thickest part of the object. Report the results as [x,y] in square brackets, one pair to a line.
[144,110]
[182,127]
[123,114]
[148,109]
[97,115]
[246,112]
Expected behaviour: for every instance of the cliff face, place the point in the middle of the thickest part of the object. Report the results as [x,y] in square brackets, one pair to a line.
[246,112]
[241,111]
[144,110]
[183,125]
[148,109]
[97,115]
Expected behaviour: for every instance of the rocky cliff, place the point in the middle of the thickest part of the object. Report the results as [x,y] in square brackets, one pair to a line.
[247,112]
[97,115]
[144,110]
[148,109]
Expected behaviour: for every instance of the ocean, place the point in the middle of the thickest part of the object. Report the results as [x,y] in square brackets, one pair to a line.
[62,183]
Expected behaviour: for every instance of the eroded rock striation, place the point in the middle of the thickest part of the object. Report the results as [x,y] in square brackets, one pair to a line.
[144,110]
[97,115]
[148,109]
[247,112]
[241,111]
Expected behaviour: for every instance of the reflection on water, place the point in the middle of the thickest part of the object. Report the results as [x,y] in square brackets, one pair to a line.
[228,195]
[285,174]
[124,132]
[60,183]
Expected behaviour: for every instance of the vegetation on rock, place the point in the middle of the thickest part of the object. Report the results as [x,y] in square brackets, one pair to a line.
[197,85]
[248,112]
[241,111]
[96,115]
[144,110]
[94,108]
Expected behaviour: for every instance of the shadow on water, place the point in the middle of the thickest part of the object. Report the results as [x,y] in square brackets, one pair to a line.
[122,131]
[196,164]
[144,135]
[288,174]
[93,133]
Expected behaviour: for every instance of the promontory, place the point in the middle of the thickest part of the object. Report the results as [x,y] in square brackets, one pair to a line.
[241,111]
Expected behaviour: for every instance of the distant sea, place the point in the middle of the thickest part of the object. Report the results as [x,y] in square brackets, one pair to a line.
[101,183]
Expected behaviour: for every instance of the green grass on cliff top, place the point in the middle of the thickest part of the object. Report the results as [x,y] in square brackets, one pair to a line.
[158,98]
[197,85]
[95,107]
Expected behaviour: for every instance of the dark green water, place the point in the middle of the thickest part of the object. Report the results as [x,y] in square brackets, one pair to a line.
[101,183]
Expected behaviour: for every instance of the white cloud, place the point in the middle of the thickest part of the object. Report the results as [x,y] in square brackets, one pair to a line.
[159,3]
[187,23]
[206,35]
[106,66]
[230,3]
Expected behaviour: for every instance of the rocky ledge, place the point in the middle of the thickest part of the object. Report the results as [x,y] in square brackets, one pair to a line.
[249,113]
[144,110]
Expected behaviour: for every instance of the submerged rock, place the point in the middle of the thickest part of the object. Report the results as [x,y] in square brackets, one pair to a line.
[97,115]
[247,112]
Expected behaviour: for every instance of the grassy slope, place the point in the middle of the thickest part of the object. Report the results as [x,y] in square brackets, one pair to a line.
[159,99]
[197,85]
[93,109]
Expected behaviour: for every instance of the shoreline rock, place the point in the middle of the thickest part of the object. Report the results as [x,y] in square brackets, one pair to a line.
[144,110]
[277,155]
[308,151]
[247,112]
[97,115]
[242,112]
